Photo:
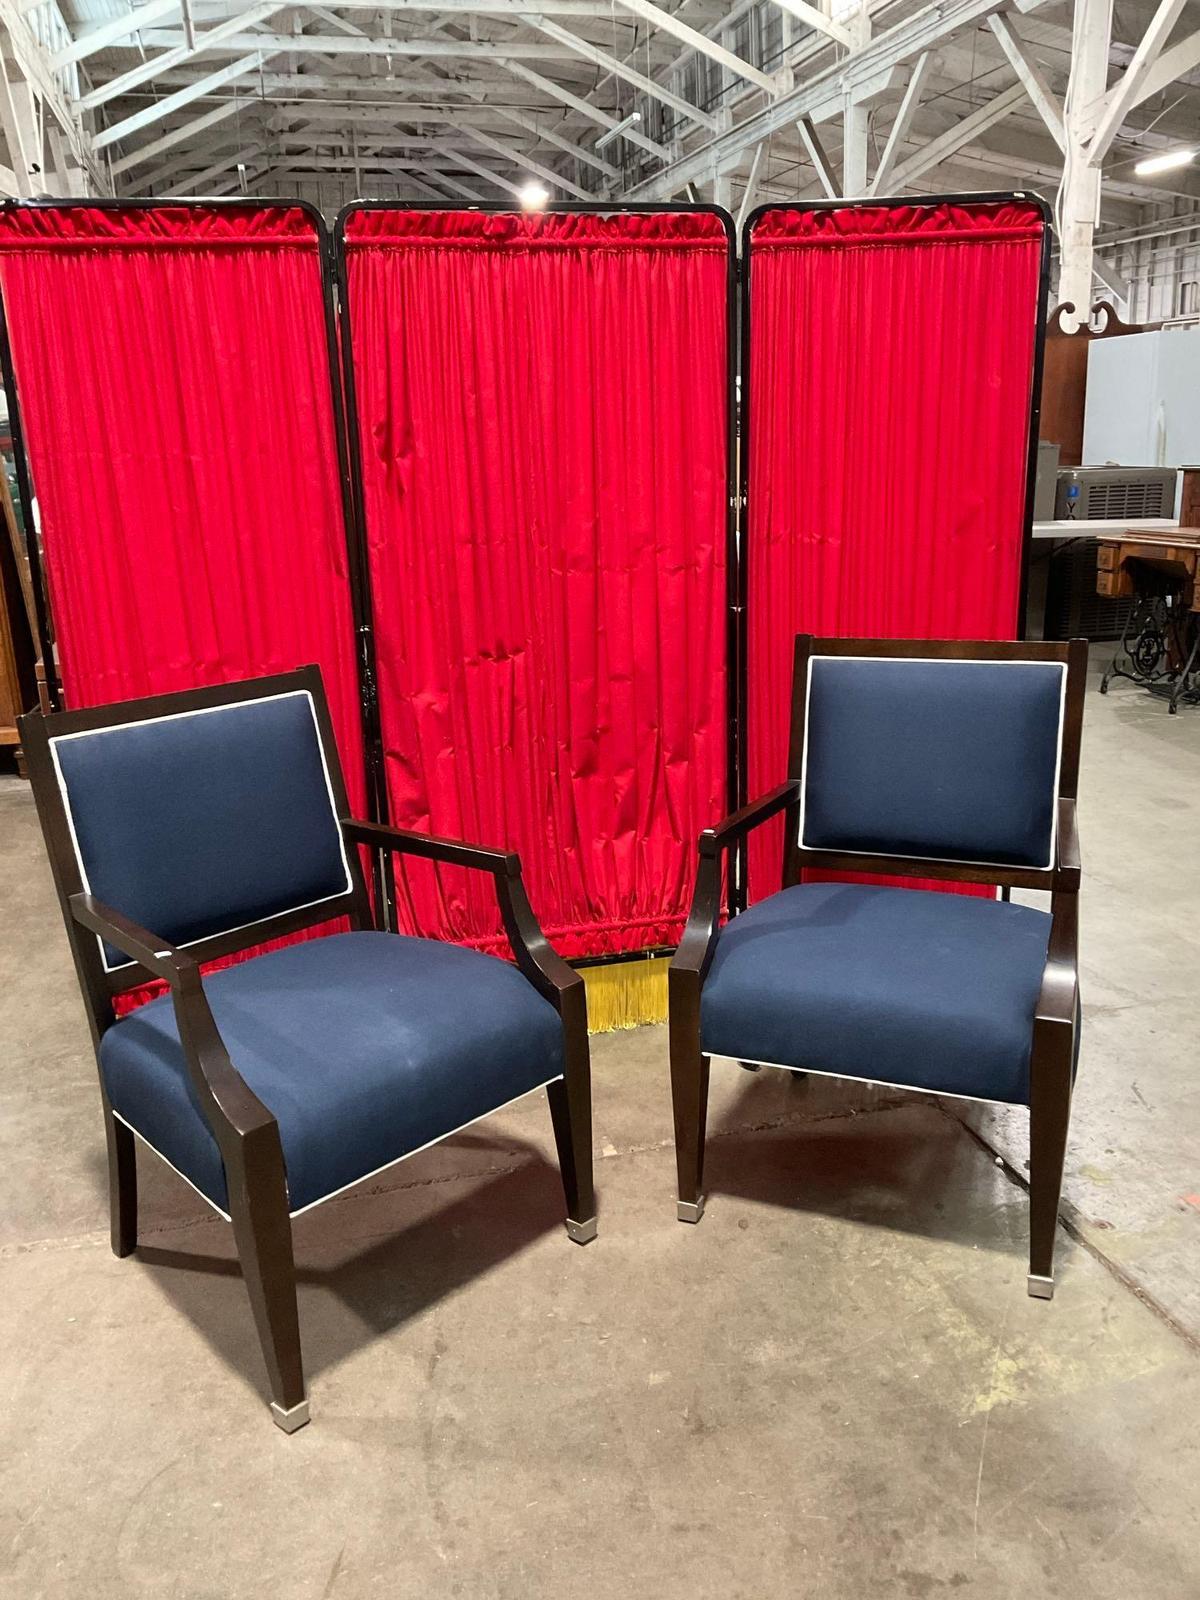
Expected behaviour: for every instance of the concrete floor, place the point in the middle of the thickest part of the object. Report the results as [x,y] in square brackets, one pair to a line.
[834,1387]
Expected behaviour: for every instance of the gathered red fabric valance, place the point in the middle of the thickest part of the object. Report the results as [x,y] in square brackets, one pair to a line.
[543,434]
[537,230]
[161,227]
[864,224]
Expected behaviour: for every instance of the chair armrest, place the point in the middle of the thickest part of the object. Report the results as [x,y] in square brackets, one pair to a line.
[1067,865]
[379,836]
[230,1106]
[736,826]
[532,951]
[147,949]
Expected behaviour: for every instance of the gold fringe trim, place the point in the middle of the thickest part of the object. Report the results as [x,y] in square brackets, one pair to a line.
[626,994]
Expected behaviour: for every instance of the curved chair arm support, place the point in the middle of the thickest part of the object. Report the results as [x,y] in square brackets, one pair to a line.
[535,956]
[698,945]
[696,948]
[230,1106]
[1058,999]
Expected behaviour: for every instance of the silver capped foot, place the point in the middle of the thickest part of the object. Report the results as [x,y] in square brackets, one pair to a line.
[290,1420]
[687,1211]
[1041,1288]
[581,1232]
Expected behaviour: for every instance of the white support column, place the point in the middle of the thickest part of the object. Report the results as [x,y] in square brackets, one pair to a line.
[720,187]
[854,148]
[855,132]
[751,189]
[18,120]
[1083,110]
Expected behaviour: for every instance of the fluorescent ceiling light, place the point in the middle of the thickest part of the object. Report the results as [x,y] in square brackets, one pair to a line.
[1164,163]
[630,121]
[533,195]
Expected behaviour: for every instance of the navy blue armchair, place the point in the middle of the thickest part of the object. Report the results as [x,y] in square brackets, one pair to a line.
[218,819]
[912,759]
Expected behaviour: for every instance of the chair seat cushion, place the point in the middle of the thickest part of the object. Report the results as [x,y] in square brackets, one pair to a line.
[364,1046]
[906,986]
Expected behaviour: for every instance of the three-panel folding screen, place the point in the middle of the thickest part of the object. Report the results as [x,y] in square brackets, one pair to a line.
[483,467]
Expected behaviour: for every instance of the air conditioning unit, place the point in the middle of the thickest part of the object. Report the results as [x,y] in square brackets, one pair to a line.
[1114,494]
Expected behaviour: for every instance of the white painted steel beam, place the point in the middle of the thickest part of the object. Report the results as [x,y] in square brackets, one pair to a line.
[668,22]
[185,130]
[338,44]
[1123,96]
[511,153]
[114,32]
[815,18]
[902,126]
[1031,76]
[825,170]
[820,96]
[147,71]
[175,102]
[584,107]
[601,58]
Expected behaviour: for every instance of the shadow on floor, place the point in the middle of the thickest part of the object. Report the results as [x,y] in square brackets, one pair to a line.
[891,1164]
[421,1251]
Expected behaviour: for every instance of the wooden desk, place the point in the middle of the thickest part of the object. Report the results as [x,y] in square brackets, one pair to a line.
[1119,562]
[1158,572]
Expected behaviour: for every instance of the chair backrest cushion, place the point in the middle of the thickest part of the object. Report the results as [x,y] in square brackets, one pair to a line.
[201,822]
[949,760]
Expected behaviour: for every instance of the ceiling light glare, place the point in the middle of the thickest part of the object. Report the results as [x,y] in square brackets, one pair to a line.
[1164,163]
[534,195]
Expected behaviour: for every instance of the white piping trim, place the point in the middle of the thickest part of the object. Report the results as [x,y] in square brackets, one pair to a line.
[333,1193]
[156,1151]
[174,716]
[882,1083]
[950,861]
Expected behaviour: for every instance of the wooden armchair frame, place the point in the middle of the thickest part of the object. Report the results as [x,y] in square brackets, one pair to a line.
[1052,1056]
[246,1132]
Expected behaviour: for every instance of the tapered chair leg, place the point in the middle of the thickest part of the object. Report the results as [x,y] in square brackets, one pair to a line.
[689,1094]
[122,1185]
[262,1228]
[570,1100]
[1049,1116]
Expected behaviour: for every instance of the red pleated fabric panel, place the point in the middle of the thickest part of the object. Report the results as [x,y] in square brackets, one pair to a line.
[543,425]
[175,391]
[891,366]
